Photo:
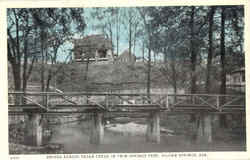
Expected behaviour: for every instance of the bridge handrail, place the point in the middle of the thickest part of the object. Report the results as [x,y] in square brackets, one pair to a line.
[120,94]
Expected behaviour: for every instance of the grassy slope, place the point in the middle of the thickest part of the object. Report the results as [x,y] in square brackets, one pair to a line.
[71,77]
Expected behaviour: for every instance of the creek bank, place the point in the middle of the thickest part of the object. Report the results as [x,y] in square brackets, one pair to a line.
[45,149]
[17,144]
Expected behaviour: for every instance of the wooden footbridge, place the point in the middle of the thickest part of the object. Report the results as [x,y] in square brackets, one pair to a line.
[101,105]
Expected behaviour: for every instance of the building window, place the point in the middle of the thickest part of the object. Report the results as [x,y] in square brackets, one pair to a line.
[243,77]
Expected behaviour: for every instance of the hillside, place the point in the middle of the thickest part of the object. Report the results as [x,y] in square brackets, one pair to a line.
[100,77]
[114,77]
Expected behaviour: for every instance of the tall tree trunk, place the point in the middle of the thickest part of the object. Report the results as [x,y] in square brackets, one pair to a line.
[42,76]
[25,65]
[165,54]
[173,72]
[17,65]
[154,57]
[134,44]
[193,54]
[174,77]
[52,74]
[135,37]
[193,59]
[16,70]
[111,39]
[48,80]
[26,57]
[222,41]
[204,132]
[87,70]
[130,37]
[117,32]
[210,51]
[25,75]
[43,61]
[14,57]
[117,35]
[149,73]
[223,69]
[148,32]
[17,80]
[143,51]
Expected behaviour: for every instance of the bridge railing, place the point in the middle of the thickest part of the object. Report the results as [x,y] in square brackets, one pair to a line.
[217,102]
[108,100]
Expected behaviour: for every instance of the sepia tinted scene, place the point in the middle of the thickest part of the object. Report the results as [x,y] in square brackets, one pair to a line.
[126,79]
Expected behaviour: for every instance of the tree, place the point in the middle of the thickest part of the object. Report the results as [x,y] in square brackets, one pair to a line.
[168,39]
[118,29]
[149,32]
[210,51]
[28,34]
[133,25]
[192,50]
[222,53]
[21,50]
[53,24]
[107,22]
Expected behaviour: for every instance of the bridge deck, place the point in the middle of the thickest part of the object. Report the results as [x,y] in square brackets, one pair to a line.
[124,108]
[52,103]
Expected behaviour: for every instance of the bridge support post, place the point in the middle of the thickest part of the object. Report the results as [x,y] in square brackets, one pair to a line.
[204,132]
[153,128]
[33,129]
[97,129]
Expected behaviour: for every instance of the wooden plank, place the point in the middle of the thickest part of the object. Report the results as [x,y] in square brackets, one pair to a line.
[97,104]
[66,98]
[128,116]
[133,111]
[12,113]
[234,106]
[55,112]
[94,106]
[120,94]
[13,106]
[193,108]
[195,112]
[120,107]
[136,108]
[124,113]
[205,109]
[136,105]
[87,106]
[31,106]
[233,110]
[192,105]
[36,103]
[87,111]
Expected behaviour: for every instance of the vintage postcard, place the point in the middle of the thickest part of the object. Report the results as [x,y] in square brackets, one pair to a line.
[124,80]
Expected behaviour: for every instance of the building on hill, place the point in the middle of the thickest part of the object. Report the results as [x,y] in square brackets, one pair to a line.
[93,48]
[236,80]
[126,57]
